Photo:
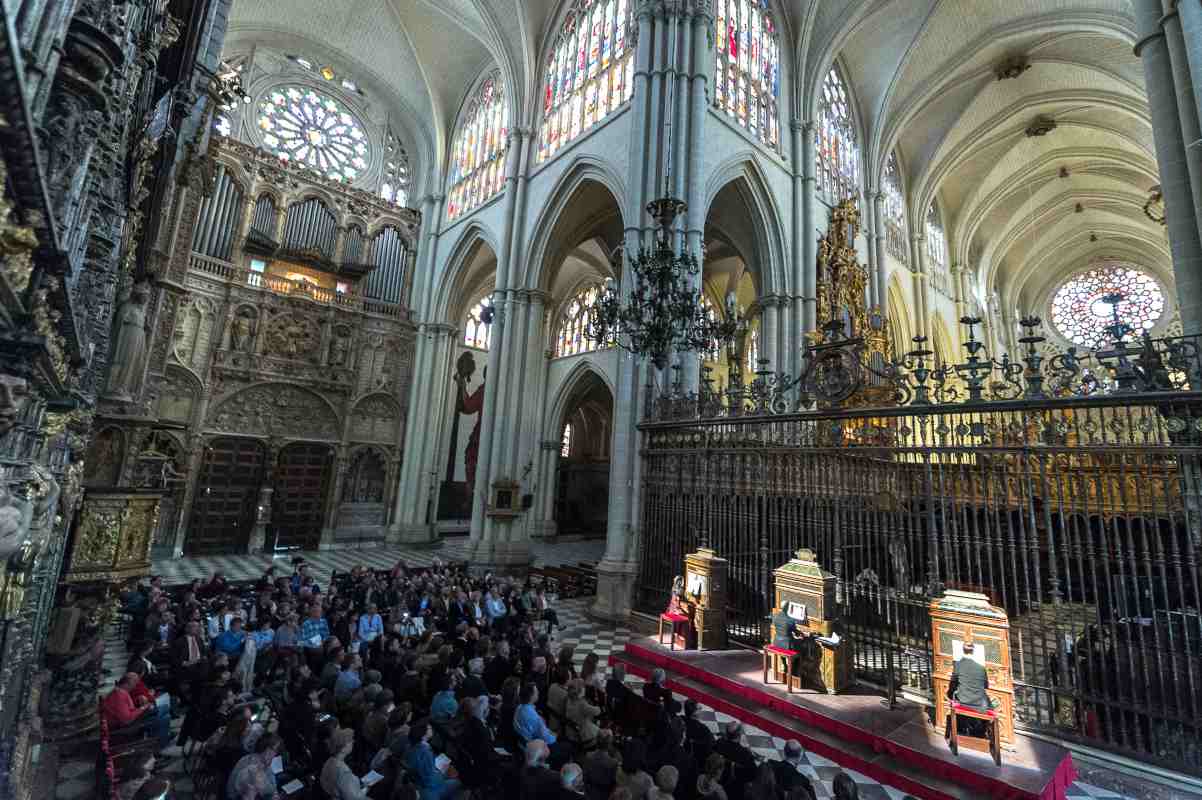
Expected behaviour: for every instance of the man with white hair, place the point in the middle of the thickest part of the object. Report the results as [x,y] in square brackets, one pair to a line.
[537,780]
[789,776]
[571,781]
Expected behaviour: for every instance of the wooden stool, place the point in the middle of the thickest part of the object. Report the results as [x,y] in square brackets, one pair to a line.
[988,744]
[771,651]
[673,620]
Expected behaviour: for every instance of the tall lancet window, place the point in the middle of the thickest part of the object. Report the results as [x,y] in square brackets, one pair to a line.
[937,251]
[895,212]
[836,144]
[476,332]
[589,71]
[747,71]
[478,150]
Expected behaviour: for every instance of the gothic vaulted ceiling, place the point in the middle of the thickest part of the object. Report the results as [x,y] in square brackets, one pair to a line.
[1022,210]
[924,78]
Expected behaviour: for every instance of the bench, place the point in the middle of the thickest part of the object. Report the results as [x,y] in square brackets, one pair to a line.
[771,655]
[990,743]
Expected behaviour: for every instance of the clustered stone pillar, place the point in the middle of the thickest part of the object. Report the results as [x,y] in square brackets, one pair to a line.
[1171,60]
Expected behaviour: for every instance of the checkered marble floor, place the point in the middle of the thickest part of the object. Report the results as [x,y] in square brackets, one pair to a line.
[586,635]
[323,562]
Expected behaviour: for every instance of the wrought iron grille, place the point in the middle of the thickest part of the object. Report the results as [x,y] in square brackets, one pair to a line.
[1080,515]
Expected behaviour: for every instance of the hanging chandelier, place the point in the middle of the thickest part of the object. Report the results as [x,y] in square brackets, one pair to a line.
[663,313]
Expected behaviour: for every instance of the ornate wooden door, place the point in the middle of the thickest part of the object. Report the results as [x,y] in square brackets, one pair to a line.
[302,482]
[227,491]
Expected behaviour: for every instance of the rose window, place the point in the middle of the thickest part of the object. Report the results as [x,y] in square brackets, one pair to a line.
[313,129]
[1081,313]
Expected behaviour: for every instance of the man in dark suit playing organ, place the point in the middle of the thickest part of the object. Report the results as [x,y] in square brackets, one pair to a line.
[969,687]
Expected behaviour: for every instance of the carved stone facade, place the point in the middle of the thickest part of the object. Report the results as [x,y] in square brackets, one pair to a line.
[98,99]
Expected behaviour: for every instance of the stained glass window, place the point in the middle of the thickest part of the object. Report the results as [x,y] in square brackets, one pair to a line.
[478,151]
[1081,315]
[306,127]
[570,338]
[589,72]
[937,252]
[476,332]
[395,184]
[836,149]
[895,211]
[565,444]
[747,72]
[223,125]
[326,71]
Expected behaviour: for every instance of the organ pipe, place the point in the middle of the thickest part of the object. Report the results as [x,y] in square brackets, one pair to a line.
[264,216]
[388,255]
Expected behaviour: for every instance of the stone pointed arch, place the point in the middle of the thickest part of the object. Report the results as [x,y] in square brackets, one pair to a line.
[569,389]
[456,278]
[770,251]
[276,410]
[901,325]
[376,418]
[582,170]
[178,392]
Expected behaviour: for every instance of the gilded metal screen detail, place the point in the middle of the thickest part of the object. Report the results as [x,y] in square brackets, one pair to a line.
[1079,516]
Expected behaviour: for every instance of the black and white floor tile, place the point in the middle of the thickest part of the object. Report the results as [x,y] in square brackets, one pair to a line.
[76,778]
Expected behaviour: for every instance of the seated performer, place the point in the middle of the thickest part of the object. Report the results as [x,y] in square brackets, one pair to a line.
[968,688]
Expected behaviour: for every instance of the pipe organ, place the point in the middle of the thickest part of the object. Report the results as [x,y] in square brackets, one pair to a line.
[219,215]
[386,281]
[262,222]
[310,225]
[352,250]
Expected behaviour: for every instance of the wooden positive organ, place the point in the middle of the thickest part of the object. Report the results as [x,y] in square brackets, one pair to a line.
[805,603]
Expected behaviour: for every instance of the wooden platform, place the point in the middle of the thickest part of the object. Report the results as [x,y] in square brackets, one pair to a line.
[856,730]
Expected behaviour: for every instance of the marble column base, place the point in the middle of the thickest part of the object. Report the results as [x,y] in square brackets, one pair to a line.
[615,590]
[546,530]
[499,557]
[327,540]
[421,535]
[258,540]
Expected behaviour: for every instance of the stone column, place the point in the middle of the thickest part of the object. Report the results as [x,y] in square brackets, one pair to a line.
[412,522]
[618,569]
[918,254]
[809,232]
[768,336]
[329,529]
[1191,27]
[243,230]
[339,243]
[880,280]
[281,216]
[258,534]
[544,526]
[1187,111]
[1184,237]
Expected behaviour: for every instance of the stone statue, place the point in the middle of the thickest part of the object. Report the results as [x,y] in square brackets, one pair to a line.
[338,350]
[129,353]
[242,331]
[13,395]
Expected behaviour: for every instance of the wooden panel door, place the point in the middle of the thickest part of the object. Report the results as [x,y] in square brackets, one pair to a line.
[227,492]
[299,502]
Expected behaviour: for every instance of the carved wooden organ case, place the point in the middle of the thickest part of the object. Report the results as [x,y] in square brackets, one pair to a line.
[958,617]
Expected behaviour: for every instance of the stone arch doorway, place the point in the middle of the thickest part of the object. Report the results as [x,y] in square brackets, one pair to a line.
[298,503]
[582,477]
[227,492]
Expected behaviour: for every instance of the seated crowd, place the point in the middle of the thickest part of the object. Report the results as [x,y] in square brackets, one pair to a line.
[411,683]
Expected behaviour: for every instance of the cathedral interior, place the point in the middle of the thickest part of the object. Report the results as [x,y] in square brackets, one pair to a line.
[570,292]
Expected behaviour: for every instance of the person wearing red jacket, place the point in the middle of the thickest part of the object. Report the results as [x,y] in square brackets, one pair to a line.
[121,710]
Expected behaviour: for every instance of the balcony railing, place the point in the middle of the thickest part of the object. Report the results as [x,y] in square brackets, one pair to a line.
[294,288]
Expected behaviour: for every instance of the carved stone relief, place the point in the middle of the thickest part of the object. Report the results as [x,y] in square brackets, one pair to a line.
[103,464]
[177,398]
[194,331]
[14,394]
[294,336]
[375,419]
[276,410]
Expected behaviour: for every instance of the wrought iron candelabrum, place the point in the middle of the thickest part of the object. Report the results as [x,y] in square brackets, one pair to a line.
[663,313]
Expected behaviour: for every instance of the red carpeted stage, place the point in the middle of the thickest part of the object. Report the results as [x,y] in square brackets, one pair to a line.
[855,730]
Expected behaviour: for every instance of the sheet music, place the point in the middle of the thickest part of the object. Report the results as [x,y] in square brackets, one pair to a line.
[978,652]
[371,779]
[277,765]
[292,787]
[696,584]
[442,763]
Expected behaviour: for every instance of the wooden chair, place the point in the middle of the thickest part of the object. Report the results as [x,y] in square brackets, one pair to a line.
[990,743]
[771,654]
